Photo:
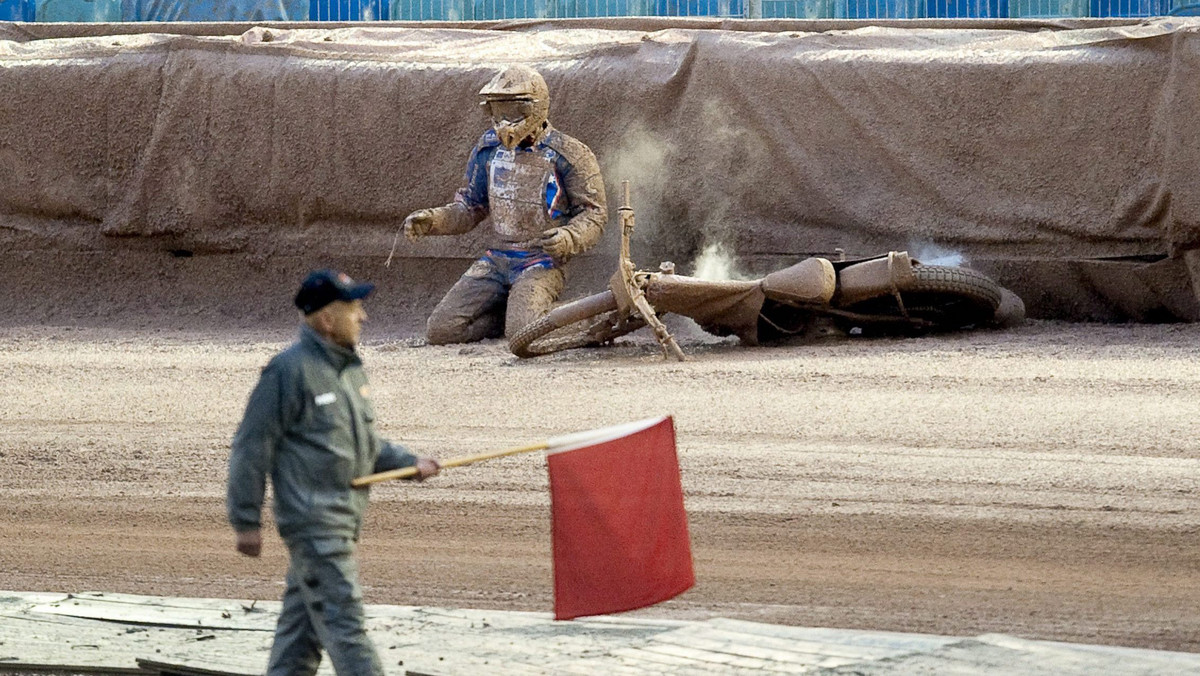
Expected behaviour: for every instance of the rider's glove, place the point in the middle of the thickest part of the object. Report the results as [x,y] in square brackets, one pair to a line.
[558,242]
[418,223]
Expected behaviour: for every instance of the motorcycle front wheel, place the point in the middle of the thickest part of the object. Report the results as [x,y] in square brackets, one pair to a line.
[587,322]
[943,298]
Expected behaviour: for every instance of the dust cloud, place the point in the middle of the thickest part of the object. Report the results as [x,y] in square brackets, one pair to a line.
[929,253]
[717,263]
[727,148]
[642,158]
[650,163]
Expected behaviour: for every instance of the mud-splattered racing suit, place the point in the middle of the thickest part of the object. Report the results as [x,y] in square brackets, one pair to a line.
[543,193]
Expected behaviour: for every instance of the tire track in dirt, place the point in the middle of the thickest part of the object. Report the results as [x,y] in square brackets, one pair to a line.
[1042,482]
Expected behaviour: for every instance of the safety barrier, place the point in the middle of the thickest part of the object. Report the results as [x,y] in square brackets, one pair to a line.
[480,10]
[477,10]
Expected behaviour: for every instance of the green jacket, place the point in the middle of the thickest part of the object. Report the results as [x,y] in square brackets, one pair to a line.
[310,425]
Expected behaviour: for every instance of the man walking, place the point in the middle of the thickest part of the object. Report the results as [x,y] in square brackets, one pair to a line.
[310,426]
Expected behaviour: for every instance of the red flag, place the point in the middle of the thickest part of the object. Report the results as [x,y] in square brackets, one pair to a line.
[618,525]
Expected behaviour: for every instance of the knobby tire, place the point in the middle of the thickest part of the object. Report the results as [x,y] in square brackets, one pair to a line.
[944,297]
[585,322]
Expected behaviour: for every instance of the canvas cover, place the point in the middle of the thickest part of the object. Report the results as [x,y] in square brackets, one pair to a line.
[1024,147]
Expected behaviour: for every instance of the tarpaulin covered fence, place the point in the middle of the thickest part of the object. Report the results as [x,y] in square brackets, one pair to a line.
[1060,157]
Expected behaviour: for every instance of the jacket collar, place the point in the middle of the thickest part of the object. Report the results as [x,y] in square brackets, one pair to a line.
[337,356]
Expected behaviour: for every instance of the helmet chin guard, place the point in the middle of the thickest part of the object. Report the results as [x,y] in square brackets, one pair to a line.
[518,102]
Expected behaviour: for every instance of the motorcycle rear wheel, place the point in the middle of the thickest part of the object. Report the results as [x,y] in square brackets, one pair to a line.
[587,322]
[943,298]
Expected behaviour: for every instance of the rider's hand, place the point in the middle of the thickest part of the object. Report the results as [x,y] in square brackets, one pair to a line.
[418,223]
[249,542]
[558,242]
[426,467]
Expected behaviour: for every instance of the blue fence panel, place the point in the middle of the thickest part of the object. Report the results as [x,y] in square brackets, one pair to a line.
[879,9]
[430,10]
[966,9]
[348,10]
[215,10]
[482,10]
[1130,7]
[470,10]
[699,8]
[17,10]
[1047,8]
[79,10]
[585,8]
[450,10]
[797,9]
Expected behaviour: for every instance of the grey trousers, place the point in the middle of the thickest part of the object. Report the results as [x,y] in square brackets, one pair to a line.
[496,296]
[322,607]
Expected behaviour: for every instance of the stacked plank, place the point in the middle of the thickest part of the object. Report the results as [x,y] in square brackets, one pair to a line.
[101,633]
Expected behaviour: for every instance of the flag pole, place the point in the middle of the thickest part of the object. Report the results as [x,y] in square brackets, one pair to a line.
[405,472]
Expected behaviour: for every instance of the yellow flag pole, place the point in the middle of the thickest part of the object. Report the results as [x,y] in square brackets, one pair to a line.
[406,472]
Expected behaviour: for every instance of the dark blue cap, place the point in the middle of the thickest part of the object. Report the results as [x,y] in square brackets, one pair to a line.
[323,287]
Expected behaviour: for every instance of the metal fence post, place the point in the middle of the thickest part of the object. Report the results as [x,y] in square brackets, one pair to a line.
[754,9]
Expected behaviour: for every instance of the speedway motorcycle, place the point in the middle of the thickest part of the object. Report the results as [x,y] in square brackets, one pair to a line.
[891,294]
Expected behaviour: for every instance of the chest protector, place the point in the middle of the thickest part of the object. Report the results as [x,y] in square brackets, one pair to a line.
[520,183]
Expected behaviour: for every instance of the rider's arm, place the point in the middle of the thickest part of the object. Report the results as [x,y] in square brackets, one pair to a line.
[587,206]
[470,205]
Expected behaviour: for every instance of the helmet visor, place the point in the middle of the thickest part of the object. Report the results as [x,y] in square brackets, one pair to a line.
[508,110]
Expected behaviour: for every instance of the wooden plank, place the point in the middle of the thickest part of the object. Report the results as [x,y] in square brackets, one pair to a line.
[83,643]
[771,648]
[970,656]
[656,662]
[23,668]
[486,649]
[1173,662]
[699,656]
[451,662]
[896,642]
[15,601]
[245,657]
[605,620]
[469,614]
[650,663]
[176,668]
[196,613]
[447,641]
[1118,660]
[601,664]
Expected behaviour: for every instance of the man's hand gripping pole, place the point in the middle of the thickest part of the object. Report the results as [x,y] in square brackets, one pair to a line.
[405,472]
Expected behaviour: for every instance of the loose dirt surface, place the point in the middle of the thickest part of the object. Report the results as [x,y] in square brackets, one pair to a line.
[1042,482]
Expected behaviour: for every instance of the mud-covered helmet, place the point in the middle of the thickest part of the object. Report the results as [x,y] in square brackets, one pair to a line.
[518,102]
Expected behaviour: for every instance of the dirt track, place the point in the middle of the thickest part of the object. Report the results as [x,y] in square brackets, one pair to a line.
[1042,482]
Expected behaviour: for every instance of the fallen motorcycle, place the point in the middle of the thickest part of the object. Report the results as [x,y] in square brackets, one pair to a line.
[888,294]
